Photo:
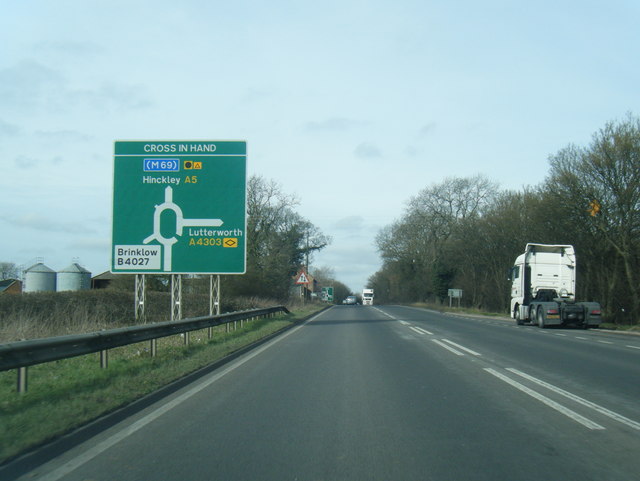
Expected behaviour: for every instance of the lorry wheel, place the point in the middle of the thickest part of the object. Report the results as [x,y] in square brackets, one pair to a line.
[516,315]
[541,318]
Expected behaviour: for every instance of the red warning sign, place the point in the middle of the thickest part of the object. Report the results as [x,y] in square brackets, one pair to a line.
[302,278]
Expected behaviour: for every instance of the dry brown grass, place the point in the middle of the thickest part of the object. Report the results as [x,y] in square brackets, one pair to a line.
[47,314]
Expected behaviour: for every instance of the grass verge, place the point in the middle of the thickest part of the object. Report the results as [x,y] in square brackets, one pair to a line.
[461,310]
[66,394]
[621,327]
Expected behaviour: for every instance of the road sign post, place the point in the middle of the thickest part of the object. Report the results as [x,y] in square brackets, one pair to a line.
[179,207]
[455,293]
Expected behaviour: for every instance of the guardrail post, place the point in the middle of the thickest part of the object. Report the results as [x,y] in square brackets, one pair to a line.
[176,297]
[214,295]
[140,298]
[186,338]
[154,347]
[104,359]
[22,379]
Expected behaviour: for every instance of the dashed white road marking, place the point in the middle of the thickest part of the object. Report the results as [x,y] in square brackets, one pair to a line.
[419,330]
[462,347]
[543,399]
[579,400]
[448,348]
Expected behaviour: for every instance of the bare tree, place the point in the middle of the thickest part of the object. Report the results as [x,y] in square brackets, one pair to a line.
[279,240]
[600,185]
[8,270]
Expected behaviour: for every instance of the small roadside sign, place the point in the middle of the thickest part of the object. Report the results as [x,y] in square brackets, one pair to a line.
[327,294]
[455,293]
[302,278]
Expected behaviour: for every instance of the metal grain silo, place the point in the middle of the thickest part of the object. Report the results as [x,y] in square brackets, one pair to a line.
[74,278]
[39,278]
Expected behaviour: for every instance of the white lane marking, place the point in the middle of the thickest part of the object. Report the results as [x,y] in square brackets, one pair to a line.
[462,347]
[634,347]
[579,400]
[561,335]
[605,342]
[404,323]
[448,348]
[582,338]
[101,447]
[384,313]
[543,399]
[421,331]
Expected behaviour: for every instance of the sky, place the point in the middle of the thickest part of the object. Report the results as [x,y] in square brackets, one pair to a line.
[351,106]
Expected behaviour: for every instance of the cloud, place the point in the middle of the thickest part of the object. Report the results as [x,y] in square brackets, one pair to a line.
[7,129]
[253,95]
[76,49]
[412,151]
[25,85]
[100,244]
[32,86]
[351,223]
[39,222]
[368,150]
[427,129]
[334,124]
[62,135]
[353,263]
[24,163]
[112,96]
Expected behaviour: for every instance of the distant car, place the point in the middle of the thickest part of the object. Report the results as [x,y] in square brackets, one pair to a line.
[350,300]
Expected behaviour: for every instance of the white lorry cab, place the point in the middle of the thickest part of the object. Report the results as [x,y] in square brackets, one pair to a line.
[543,286]
[367,297]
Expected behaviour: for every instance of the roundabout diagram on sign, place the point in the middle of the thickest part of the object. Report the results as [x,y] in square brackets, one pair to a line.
[168,242]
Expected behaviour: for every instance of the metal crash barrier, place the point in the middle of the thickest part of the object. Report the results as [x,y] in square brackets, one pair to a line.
[22,354]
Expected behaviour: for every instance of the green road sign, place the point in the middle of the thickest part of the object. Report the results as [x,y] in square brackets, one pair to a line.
[179,207]
[327,294]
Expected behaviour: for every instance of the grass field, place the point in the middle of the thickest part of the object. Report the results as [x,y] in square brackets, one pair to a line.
[66,394]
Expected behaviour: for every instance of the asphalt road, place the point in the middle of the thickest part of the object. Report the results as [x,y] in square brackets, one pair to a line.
[390,393]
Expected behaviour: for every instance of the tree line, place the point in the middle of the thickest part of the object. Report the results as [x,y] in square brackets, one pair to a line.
[279,241]
[465,233]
